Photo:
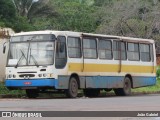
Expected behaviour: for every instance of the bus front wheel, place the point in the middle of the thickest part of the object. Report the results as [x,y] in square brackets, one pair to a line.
[72,90]
[32,93]
[126,90]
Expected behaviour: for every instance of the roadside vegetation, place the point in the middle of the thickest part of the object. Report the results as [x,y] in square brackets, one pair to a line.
[15,93]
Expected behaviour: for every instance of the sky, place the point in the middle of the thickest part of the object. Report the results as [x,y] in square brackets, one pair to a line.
[35,0]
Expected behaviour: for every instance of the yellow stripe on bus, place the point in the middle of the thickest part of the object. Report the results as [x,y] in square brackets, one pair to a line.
[111,68]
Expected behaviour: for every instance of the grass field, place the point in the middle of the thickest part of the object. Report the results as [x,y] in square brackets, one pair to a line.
[20,93]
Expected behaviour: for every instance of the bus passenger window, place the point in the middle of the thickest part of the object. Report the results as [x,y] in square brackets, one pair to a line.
[133,51]
[119,50]
[105,49]
[89,48]
[145,52]
[74,47]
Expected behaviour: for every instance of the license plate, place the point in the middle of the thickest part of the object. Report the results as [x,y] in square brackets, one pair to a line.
[27,83]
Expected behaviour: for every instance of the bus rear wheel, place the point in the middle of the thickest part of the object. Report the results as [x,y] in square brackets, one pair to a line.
[32,93]
[91,92]
[126,90]
[72,90]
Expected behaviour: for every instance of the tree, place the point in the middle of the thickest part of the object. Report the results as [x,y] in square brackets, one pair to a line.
[7,10]
[74,15]
[33,8]
[131,18]
[23,6]
[7,13]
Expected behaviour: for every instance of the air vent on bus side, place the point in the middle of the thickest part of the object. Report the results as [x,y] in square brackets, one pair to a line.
[43,70]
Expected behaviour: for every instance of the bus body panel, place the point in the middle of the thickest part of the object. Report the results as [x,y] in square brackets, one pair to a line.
[104,82]
[22,83]
[140,81]
[63,82]
[88,82]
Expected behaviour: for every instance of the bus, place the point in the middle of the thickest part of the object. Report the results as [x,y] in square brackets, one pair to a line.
[66,61]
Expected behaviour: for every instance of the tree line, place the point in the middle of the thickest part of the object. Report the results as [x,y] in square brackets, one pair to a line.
[134,18]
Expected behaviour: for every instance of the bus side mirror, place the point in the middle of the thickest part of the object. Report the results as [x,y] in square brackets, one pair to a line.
[4,48]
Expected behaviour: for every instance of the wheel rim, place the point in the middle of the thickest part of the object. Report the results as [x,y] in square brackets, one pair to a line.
[127,87]
[74,88]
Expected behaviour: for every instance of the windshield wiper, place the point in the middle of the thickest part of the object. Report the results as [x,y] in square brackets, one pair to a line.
[21,58]
[31,56]
[34,60]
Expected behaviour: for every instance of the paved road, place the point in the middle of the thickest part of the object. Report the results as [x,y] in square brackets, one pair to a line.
[149,102]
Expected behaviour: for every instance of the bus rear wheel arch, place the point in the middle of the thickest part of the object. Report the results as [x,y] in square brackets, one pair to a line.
[126,90]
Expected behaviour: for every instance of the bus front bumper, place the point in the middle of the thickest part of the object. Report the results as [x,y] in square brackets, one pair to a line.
[26,83]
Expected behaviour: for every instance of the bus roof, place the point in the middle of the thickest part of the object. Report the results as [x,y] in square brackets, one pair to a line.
[119,37]
[71,33]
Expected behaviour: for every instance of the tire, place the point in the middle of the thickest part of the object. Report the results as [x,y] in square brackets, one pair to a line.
[91,92]
[32,93]
[126,90]
[72,90]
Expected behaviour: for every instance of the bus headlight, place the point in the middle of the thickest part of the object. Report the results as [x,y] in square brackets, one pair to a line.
[10,76]
[40,75]
[44,75]
[14,76]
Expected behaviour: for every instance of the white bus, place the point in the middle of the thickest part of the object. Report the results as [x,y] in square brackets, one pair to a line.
[68,61]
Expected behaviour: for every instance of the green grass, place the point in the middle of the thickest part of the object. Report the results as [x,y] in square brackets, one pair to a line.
[5,91]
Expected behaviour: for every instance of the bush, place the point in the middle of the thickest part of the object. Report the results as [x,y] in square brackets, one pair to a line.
[158,72]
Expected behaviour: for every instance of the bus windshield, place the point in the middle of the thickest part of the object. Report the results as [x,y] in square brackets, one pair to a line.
[31,52]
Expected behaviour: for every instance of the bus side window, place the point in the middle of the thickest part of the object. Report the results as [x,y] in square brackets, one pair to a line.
[90,48]
[145,52]
[119,50]
[133,52]
[61,53]
[105,49]
[74,47]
